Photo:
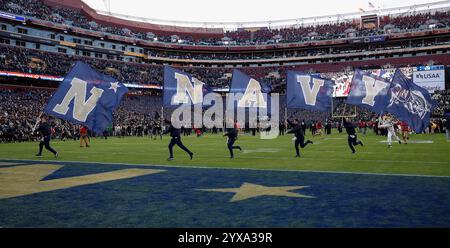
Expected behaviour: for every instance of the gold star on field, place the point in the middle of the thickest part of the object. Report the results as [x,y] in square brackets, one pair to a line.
[249,190]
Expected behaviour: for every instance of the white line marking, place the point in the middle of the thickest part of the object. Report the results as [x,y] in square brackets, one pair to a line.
[226,168]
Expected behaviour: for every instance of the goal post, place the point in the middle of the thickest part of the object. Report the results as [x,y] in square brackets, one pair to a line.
[340,109]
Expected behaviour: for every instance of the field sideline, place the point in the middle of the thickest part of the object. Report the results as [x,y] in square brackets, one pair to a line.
[329,153]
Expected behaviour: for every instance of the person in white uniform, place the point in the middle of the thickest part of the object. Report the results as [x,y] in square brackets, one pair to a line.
[388,123]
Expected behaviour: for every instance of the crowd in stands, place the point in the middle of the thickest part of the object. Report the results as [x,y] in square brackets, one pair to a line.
[18,59]
[21,106]
[312,52]
[443,103]
[58,64]
[26,60]
[297,33]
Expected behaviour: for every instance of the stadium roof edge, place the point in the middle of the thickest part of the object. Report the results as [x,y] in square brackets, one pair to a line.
[438,5]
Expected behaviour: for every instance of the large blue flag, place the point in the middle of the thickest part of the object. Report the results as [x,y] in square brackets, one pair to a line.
[253,93]
[308,91]
[181,88]
[369,91]
[86,97]
[410,102]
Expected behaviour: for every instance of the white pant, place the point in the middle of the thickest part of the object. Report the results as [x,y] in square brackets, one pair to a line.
[389,137]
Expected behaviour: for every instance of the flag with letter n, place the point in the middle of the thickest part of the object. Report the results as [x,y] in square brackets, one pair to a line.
[308,91]
[410,102]
[368,91]
[181,88]
[86,97]
[252,93]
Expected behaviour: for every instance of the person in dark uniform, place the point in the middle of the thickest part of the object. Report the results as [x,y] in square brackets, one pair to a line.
[45,130]
[176,140]
[352,137]
[339,127]
[282,128]
[313,128]
[447,127]
[232,134]
[299,136]
[303,125]
[64,134]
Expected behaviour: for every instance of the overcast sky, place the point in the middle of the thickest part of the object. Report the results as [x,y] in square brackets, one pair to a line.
[239,10]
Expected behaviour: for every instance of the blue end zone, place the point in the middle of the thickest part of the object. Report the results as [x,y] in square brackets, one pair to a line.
[170,199]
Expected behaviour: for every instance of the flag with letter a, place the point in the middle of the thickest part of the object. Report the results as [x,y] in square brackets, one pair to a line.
[86,97]
[253,93]
[308,91]
[368,91]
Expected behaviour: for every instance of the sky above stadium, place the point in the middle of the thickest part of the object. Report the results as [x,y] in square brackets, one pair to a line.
[240,10]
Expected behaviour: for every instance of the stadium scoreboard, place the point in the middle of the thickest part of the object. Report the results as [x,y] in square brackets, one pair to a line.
[431,78]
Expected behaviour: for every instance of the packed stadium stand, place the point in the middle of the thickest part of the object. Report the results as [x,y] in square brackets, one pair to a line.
[40,40]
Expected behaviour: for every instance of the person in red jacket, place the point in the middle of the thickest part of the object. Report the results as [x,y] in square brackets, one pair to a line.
[319,128]
[405,131]
[84,136]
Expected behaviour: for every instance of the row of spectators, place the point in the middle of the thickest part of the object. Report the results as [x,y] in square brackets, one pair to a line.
[26,60]
[295,53]
[58,64]
[38,9]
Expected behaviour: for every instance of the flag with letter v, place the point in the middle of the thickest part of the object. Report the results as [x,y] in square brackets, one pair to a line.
[308,91]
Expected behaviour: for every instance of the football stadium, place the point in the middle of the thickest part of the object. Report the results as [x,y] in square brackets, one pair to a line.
[112,120]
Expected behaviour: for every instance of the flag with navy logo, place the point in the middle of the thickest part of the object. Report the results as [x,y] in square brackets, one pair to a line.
[410,102]
[368,91]
[86,97]
[308,91]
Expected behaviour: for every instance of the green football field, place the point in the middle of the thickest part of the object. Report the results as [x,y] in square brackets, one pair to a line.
[426,154]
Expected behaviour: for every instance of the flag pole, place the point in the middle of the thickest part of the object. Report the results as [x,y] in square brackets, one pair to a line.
[285,117]
[162,119]
[37,122]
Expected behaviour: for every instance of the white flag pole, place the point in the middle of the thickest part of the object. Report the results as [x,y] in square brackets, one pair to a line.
[37,122]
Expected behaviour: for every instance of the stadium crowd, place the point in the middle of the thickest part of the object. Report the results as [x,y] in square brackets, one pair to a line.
[21,106]
[297,33]
[294,53]
[26,60]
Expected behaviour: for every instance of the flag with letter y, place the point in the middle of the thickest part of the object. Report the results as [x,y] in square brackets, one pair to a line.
[86,97]
[410,102]
[308,91]
[369,91]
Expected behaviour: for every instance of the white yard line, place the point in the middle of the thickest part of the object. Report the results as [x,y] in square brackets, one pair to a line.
[225,168]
